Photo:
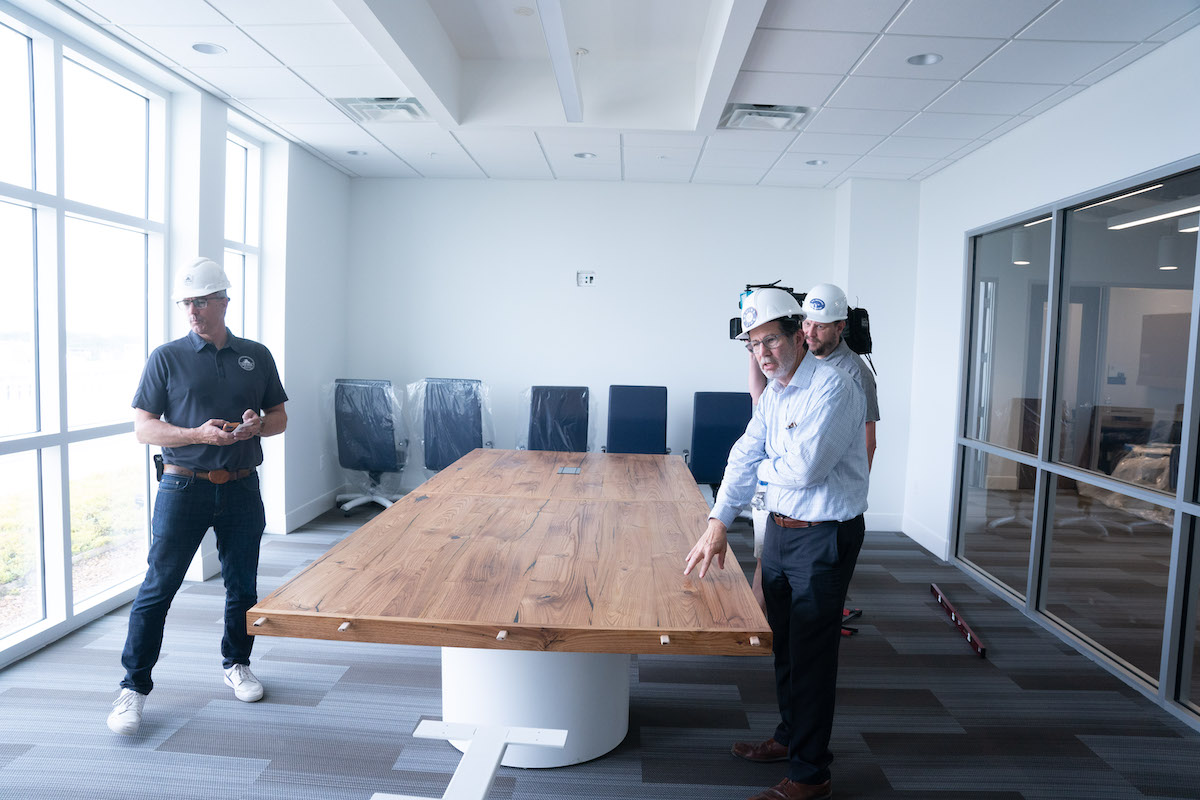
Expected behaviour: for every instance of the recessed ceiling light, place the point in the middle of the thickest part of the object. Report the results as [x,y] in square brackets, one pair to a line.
[209,49]
[924,59]
[817,162]
[356,152]
[585,155]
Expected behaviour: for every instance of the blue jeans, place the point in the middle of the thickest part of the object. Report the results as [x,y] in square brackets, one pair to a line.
[805,576]
[183,512]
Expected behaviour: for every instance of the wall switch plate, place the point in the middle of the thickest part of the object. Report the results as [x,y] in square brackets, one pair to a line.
[585,278]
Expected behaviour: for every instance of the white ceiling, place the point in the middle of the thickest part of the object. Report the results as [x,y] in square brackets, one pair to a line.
[654,82]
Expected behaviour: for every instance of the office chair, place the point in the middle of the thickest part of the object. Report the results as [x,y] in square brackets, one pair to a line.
[718,419]
[453,420]
[364,414]
[558,418]
[637,419]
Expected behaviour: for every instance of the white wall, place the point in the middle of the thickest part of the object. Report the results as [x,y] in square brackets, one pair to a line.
[1139,119]
[477,279]
[308,333]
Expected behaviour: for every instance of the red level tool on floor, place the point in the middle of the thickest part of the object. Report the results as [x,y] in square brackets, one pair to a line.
[847,615]
[963,627]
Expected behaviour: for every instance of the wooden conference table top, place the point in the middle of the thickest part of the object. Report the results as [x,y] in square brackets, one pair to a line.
[501,550]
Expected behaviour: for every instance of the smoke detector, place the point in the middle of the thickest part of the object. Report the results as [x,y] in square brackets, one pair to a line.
[383,109]
[756,117]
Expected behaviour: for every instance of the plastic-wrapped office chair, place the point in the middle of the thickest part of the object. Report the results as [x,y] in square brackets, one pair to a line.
[558,418]
[454,417]
[364,413]
[718,419]
[637,419]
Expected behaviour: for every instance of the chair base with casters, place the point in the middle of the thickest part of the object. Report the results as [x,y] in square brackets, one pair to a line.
[365,413]
[374,494]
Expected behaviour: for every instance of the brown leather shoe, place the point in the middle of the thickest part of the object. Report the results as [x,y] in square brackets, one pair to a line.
[790,790]
[762,753]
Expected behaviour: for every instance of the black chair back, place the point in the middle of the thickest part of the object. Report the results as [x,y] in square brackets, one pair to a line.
[558,418]
[366,430]
[718,419]
[453,420]
[637,419]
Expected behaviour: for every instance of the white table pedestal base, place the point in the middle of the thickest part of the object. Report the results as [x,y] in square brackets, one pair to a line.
[586,694]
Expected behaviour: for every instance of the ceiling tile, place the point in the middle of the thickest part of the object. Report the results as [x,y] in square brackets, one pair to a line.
[805,51]
[869,16]
[505,153]
[728,175]
[938,167]
[658,172]
[1000,130]
[889,165]
[978,97]
[968,149]
[270,12]
[986,18]
[256,81]
[335,138]
[660,157]
[1053,100]
[568,141]
[1118,63]
[176,44]
[315,45]
[156,12]
[675,140]
[295,110]
[739,158]
[364,80]
[800,178]
[834,162]
[775,141]
[384,165]
[894,94]
[606,166]
[1046,62]
[839,143]
[1178,28]
[428,149]
[1107,20]
[914,147]
[951,126]
[888,58]
[782,88]
[855,120]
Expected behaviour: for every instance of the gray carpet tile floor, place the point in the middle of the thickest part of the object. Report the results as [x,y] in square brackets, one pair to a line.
[920,715]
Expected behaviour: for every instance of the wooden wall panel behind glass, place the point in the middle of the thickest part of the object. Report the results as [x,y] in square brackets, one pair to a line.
[1010,274]
[1129,265]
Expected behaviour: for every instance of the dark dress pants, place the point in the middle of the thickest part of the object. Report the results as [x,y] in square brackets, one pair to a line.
[805,575]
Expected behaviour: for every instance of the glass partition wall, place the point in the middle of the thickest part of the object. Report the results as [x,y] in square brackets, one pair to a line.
[1077,476]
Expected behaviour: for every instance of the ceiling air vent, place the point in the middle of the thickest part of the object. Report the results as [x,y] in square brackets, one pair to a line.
[755,117]
[383,109]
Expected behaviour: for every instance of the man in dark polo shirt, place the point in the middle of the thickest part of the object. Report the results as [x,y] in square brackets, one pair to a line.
[205,399]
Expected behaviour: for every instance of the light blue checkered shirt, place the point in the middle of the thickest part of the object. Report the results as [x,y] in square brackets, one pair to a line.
[806,441]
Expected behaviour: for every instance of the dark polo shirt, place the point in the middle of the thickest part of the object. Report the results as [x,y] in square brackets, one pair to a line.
[188,382]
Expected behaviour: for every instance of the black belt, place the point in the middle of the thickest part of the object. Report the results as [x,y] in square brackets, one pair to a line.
[217,476]
[788,522]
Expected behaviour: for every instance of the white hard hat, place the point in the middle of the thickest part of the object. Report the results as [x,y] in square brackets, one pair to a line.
[764,305]
[825,303]
[199,278]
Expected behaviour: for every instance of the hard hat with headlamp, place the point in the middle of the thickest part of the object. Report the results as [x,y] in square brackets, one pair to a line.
[765,305]
[200,278]
[825,303]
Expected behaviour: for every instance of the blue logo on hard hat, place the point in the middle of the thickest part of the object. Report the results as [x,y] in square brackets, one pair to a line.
[748,317]
[816,304]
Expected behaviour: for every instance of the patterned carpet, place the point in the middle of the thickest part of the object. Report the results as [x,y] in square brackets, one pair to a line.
[920,715]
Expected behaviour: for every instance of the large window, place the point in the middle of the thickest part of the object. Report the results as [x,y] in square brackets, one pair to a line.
[243,159]
[1076,423]
[81,229]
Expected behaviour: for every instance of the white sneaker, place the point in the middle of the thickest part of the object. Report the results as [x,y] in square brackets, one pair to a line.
[126,716]
[246,687]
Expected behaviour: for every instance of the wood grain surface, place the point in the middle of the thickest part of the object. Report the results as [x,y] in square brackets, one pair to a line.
[502,541]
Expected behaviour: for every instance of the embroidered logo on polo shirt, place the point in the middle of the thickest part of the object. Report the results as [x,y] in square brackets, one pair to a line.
[246,363]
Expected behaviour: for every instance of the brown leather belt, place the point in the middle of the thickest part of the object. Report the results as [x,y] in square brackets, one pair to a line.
[217,476]
[788,522]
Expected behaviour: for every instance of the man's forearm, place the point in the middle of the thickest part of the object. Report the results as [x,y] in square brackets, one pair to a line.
[163,434]
[273,422]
